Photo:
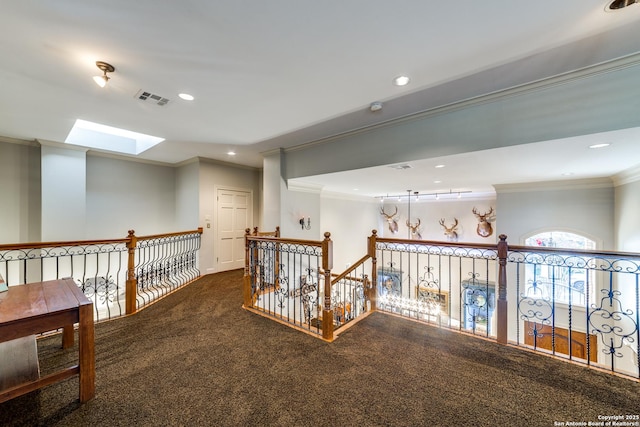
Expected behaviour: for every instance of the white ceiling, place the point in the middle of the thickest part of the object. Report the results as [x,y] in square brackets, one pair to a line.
[281,73]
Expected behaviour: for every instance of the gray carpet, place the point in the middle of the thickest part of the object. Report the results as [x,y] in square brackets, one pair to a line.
[197,358]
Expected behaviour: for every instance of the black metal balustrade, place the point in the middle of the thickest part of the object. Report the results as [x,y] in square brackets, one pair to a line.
[579,305]
[286,281]
[119,276]
[447,284]
[582,306]
[164,263]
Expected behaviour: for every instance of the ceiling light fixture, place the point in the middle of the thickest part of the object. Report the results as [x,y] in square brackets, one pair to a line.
[599,145]
[619,4]
[418,196]
[401,81]
[105,68]
[186,96]
[231,153]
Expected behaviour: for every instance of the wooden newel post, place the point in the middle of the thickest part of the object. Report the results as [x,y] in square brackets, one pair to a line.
[503,250]
[327,265]
[246,288]
[132,281]
[371,251]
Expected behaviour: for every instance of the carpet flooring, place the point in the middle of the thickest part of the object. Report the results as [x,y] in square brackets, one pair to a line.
[196,358]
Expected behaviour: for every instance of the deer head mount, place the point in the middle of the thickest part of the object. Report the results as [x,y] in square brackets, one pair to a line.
[415,230]
[450,232]
[392,221]
[484,228]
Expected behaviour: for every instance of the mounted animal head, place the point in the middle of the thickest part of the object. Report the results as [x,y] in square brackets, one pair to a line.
[415,230]
[484,228]
[450,232]
[391,219]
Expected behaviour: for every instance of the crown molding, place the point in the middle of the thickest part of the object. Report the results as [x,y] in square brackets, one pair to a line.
[349,197]
[572,184]
[31,142]
[568,77]
[303,187]
[627,176]
[223,163]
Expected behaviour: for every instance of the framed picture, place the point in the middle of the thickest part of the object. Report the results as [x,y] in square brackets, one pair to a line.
[435,298]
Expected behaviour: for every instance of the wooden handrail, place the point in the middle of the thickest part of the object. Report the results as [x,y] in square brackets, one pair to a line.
[36,245]
[177,233]
[349,270]
[437,243]
[285,240]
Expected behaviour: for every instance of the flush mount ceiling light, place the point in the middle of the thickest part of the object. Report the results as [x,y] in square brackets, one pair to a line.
[186,96]
[401,81]
[604,144]
[105,68]
[619,4]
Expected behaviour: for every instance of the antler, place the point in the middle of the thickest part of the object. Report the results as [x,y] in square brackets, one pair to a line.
[442,222]
[382,212]
[482,216]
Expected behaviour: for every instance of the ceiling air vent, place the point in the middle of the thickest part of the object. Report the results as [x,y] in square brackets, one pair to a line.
[151,97]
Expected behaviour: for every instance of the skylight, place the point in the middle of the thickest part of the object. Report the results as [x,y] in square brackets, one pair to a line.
[102,137]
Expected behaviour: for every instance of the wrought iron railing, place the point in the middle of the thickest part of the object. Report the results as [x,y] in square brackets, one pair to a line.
[579,305]
[164,263]
[119,276]
[447,284]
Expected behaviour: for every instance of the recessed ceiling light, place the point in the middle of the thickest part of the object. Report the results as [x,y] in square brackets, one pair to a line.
[186,96]
[437,181]
[401,81]
[439,166]
[599,145]
[567,174]
[231,153]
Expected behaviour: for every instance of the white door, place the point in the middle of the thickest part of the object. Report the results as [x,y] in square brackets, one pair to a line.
[234,217]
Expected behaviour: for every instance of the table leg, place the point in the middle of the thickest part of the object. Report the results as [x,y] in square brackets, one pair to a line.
[67,336]
[87,360]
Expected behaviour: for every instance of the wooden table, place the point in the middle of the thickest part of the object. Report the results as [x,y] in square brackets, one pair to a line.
[46,306]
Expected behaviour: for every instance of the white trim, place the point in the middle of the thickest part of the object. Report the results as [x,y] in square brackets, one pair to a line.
[216,227]
[575,184]
[303,187]
[568,77]
[627,176]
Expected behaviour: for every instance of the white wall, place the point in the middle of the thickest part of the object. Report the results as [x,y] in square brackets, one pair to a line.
[627,217]
[273,186]
[63,184]
[430,212]
[188,196]
[19,193]
[126,195]
[582,206]
[350,222]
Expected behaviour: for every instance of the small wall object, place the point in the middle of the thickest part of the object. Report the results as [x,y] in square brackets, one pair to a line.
[392,221]
[484,228]
[3,285]
[450,232]
[415,230]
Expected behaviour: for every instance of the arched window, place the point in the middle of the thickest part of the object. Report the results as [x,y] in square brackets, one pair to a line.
[567,285]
